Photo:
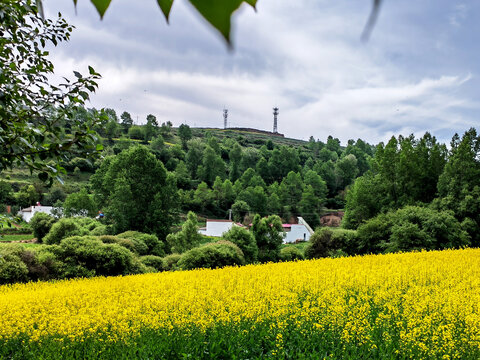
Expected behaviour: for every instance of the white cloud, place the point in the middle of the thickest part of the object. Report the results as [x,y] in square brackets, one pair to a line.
[306,58]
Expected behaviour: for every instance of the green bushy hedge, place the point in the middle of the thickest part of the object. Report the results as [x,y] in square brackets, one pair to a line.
[212,255]
[291,253]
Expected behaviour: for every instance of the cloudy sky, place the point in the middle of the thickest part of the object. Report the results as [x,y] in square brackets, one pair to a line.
[418,72]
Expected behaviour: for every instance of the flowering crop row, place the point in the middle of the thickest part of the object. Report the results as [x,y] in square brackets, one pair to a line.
[414,305]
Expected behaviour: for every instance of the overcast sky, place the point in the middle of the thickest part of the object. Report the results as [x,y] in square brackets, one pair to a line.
[418,72]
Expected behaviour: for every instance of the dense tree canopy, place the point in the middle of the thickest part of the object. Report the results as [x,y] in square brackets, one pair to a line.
[136,193]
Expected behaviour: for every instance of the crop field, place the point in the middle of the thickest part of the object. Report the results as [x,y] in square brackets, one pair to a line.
[422,305]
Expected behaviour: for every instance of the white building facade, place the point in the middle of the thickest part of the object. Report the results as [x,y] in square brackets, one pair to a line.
[217,228]
[27,213]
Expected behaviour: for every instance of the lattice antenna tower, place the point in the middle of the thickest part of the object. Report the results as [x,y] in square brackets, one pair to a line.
[225,118]
[275,114]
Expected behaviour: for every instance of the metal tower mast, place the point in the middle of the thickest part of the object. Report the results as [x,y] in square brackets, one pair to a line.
[275,114]
[225,118]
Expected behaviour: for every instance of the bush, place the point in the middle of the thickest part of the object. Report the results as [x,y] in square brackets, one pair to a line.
[12,268]
[126,243]
[145,244]
[372,233]
[347,241]
[170,262]
[39,264]
[291,253]
[412,228]
[245,241]
[41,224]
[212,255]
[86,256]
[99,230]
[67,227]
[153,261]
[322,242]
[62,229]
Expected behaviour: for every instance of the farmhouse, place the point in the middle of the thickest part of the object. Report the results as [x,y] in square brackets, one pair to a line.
[297,232]
[27,213]
[216,228]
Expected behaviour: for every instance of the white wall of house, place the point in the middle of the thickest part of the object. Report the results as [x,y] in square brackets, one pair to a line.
[27,214]
[297,232]
[216,228]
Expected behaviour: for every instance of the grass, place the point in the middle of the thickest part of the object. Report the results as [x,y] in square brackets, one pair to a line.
[16,237]
[300,246]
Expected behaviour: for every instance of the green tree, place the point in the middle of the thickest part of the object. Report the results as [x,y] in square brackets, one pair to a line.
[187,238]
[6,192]
[194,156]
[148,195]
[310,206]
[79,204]
[136,132]
[27,196]
[32,110]
[185,134]
[268,233]
[245,240]
[235,156]
[212,166]
[346,170]
[127,121]
[290,190]
[240,209]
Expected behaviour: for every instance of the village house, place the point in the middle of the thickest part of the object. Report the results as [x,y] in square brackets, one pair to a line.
[28,213]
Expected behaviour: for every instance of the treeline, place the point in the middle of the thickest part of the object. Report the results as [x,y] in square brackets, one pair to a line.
[206,174]
[418,194]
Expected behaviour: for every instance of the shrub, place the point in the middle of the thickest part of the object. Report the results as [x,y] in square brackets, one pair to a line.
[245,241]
[67,227]
[145,244]
[212,255]
[153,261]
[87,256]
[186,238]
[41,224]
[291,253]
[170,262]
[63,229]
[12,268]
[412,228]
[126,243]
[99,230]
[322,242]
[347,241]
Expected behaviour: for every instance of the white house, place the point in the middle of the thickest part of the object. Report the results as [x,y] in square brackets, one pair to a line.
[28,213]
[293,232]
[216,228]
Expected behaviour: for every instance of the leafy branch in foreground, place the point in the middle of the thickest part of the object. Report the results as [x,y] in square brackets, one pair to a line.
[37,129]
[219,12]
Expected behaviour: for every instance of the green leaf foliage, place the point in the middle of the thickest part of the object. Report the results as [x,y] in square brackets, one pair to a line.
[101,6]
[165,6]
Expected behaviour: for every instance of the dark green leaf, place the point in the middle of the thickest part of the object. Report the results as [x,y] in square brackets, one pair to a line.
[218,13]
[253,3]
[101,5]
[43,176]
[77,74]
[166,6]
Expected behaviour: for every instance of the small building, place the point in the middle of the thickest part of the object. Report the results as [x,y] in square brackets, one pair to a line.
[297,232]
[27,213]
[217,228]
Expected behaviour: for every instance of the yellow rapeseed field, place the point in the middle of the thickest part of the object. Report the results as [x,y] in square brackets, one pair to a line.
[424,304]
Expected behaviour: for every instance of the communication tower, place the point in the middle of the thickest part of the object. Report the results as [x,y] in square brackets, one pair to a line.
[225,118]
[275,114]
